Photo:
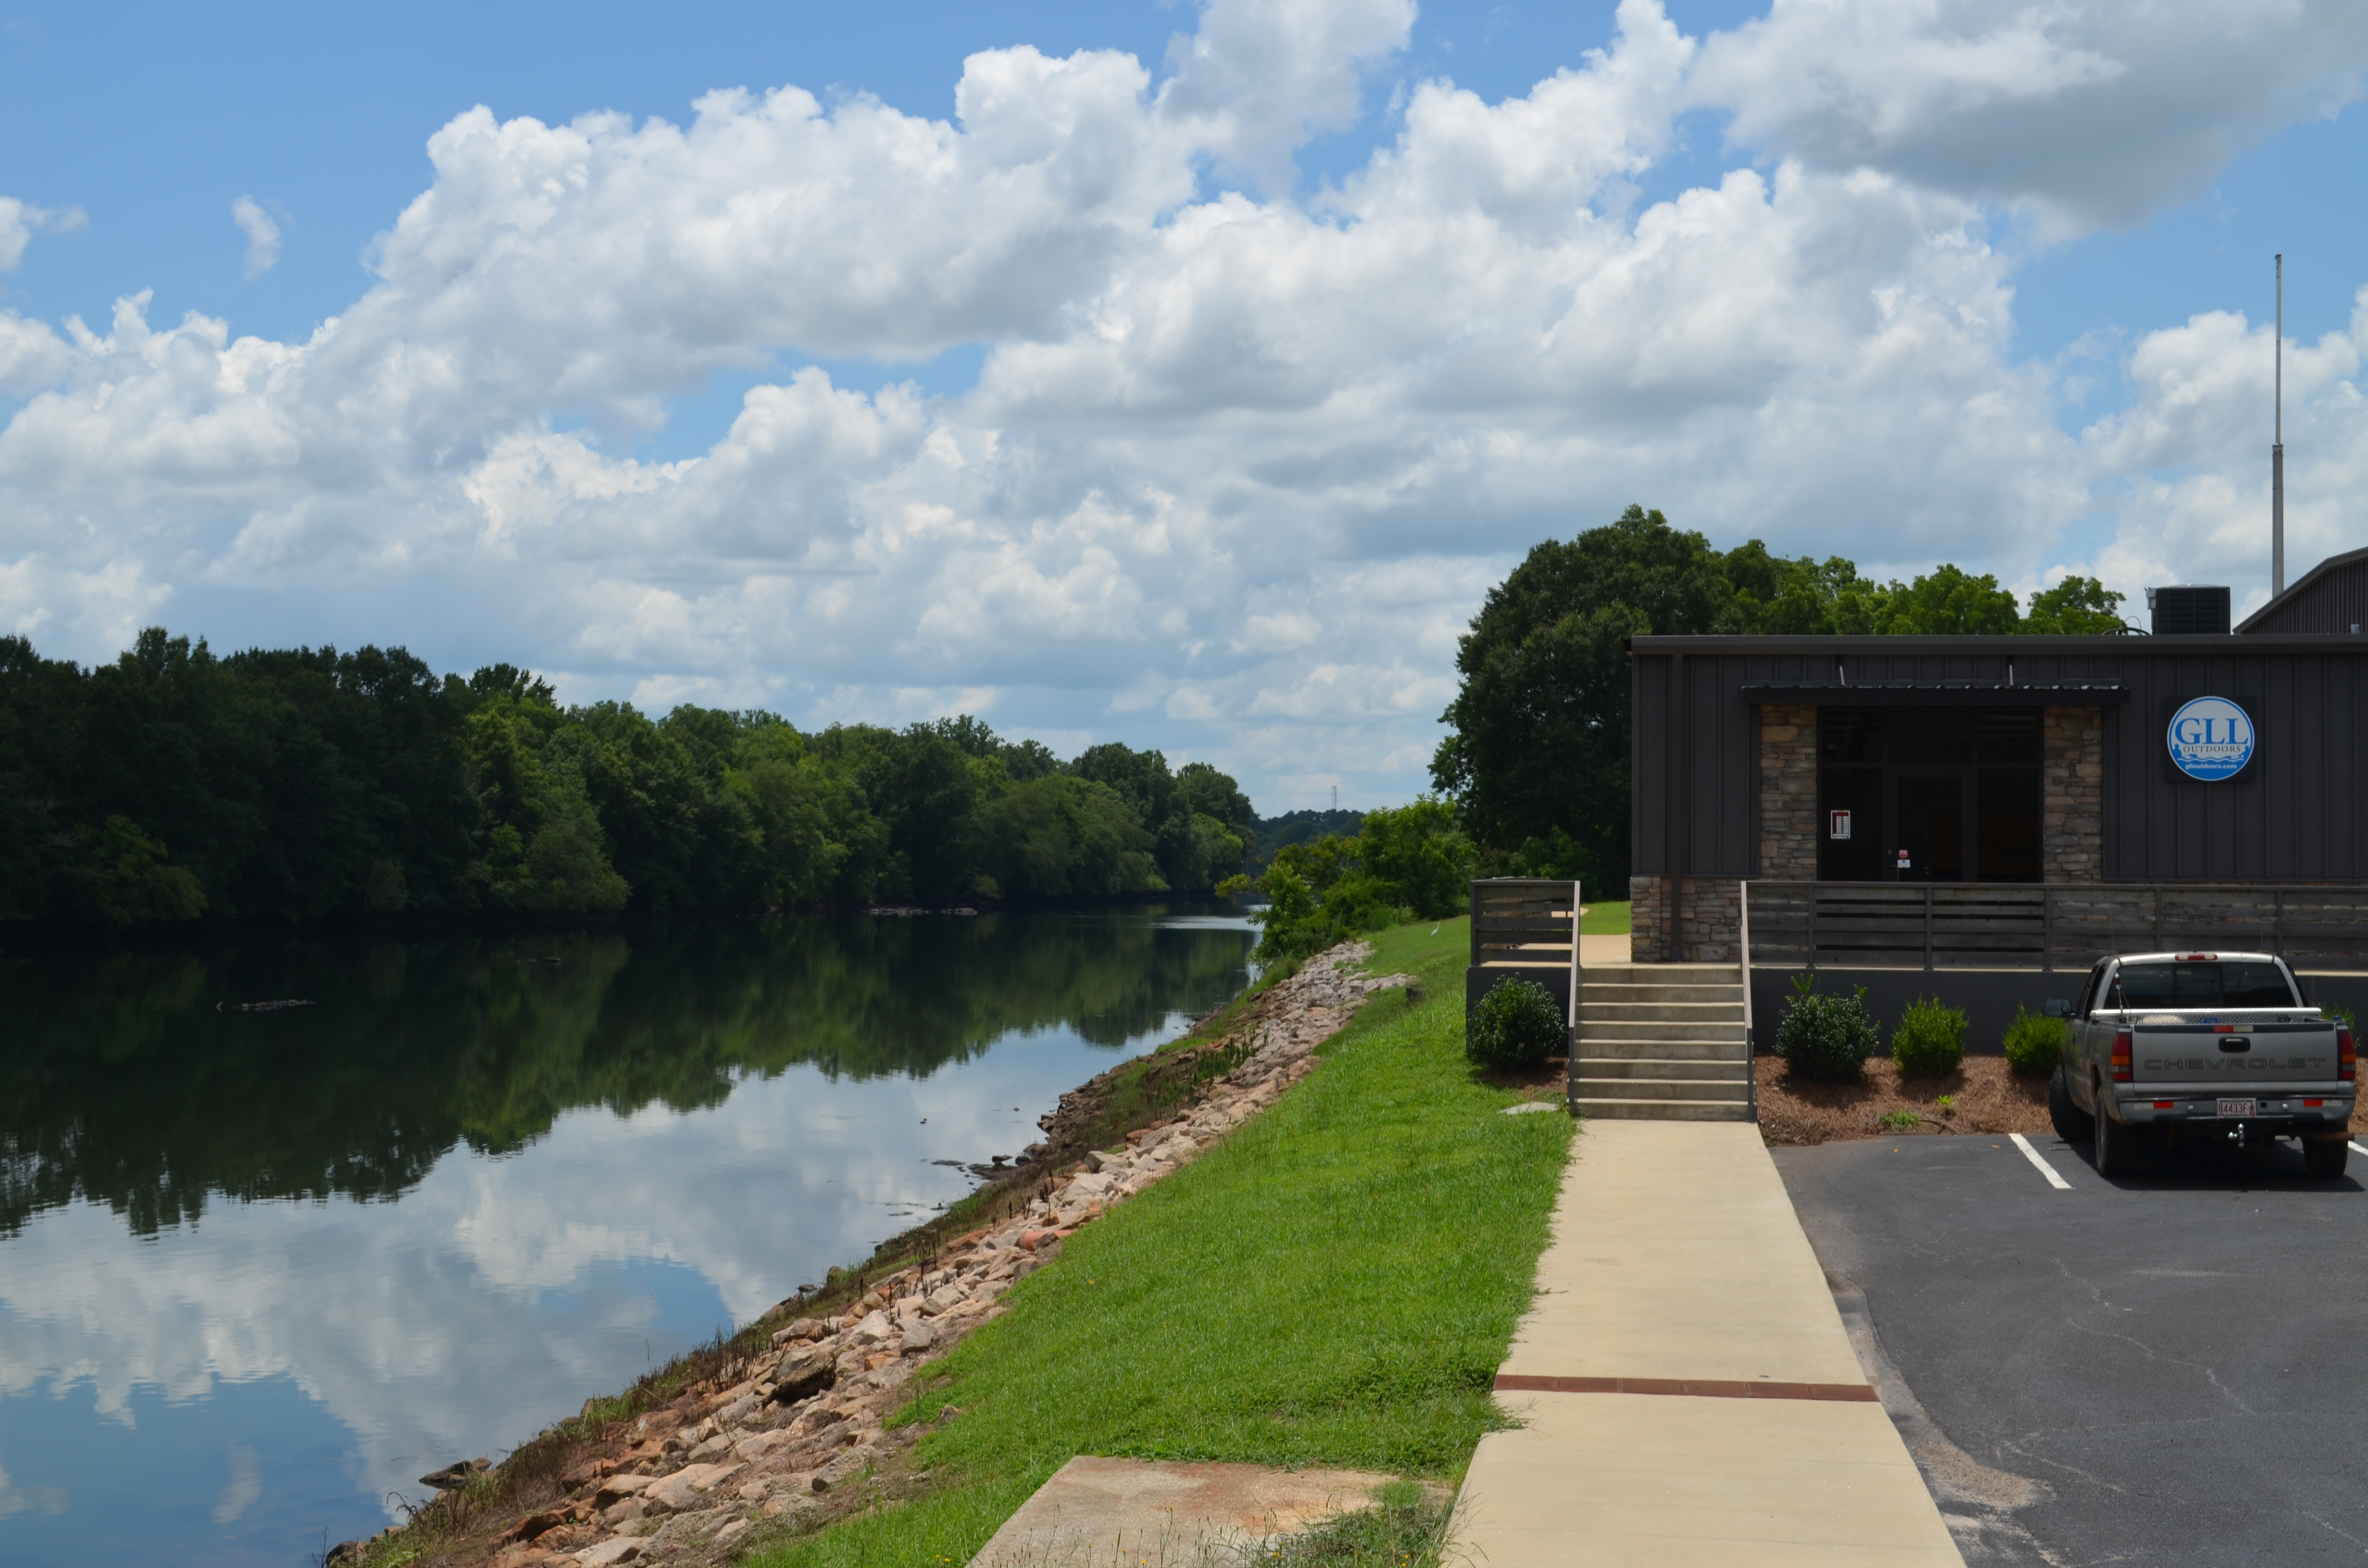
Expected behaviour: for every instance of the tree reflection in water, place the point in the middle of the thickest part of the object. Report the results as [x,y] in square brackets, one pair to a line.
[122,1083]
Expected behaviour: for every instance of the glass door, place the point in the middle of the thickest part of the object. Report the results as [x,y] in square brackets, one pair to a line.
[1928,828]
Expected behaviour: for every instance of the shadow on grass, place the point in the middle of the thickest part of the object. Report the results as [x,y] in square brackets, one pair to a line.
[1553,1073]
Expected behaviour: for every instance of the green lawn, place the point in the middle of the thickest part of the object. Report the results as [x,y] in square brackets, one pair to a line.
[1333,1284]
[1603,919]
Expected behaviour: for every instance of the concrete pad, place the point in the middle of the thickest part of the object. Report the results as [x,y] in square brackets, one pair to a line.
[1676,1254]
[1593,951]
[1620,1480]
[1103,1512]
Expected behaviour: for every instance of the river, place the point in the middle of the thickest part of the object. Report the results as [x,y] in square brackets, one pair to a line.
[260,1271]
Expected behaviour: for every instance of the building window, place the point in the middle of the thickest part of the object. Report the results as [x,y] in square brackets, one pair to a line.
[1928,794]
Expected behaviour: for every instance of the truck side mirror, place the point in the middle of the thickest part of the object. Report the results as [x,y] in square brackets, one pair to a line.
[2059,1006]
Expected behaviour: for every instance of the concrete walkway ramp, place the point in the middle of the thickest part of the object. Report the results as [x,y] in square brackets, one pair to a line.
[1688,1391]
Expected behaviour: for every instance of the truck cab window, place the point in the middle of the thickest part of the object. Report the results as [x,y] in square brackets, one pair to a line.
[2254,986]
[2088,1001]
[2147,985]
[2237,983]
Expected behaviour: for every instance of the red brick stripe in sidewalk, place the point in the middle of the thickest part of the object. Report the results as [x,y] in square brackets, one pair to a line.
[1848,1394]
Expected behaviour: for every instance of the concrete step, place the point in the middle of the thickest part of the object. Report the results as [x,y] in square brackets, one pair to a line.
[1670,973]
[1662,1110]
[1657,1029]
[1590,1086]
[1737,1070]
[1591,1048]
[1663,1007]
[1592,991]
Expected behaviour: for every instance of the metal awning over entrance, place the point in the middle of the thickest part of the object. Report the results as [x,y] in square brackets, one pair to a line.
[1933,693]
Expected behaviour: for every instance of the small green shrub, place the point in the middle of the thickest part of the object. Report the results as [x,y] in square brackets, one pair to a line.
[2035,1042]
[1930,1038]
[1900,1122]
[1826,1039]
[1518,1023]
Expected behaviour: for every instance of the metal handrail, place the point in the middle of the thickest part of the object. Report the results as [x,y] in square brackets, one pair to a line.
[1570,1064]
[1750,1045]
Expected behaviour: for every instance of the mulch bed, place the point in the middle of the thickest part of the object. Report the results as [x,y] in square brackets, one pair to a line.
[1986,1098]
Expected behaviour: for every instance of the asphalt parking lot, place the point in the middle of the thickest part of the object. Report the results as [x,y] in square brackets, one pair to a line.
[2162,1369]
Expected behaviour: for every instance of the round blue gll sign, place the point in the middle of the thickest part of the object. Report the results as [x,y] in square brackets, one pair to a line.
[2210,738]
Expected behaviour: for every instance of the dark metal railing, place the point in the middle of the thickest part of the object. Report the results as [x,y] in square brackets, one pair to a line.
[1532,923]
[2063,927]
[1524,920]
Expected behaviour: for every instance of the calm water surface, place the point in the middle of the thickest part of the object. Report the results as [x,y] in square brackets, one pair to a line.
[259,1271]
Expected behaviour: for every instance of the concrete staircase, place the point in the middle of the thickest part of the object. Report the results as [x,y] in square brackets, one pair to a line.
[1662,1043]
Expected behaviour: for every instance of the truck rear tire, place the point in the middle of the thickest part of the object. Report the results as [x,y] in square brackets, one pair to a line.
[2072,1124]
[2326,1157]
[2116,1148]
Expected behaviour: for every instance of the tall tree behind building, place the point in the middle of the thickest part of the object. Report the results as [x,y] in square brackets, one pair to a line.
[1537,757]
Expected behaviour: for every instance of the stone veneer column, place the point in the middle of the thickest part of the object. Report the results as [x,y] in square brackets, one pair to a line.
[1648,920]
[2072,779]
[1713,914]
[1788,794]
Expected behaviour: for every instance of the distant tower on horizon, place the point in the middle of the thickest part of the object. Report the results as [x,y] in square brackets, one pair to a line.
[2278,449]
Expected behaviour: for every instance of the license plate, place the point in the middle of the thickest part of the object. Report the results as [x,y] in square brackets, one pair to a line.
[2240,1107]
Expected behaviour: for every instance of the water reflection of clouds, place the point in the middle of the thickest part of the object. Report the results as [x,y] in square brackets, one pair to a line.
[497,1293]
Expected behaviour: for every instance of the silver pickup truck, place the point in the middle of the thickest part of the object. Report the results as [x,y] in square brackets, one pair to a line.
[2170,1047]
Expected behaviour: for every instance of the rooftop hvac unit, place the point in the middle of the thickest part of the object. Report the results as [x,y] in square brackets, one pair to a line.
[2189,611]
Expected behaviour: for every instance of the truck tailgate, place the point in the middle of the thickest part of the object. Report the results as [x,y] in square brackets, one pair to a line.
[2234,1054]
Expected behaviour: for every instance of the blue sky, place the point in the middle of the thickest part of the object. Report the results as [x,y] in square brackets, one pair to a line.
[153,118]
[1249,531]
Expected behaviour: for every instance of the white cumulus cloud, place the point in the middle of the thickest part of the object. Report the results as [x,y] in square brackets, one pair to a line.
[2091,114]
[262,232]
[19,222]
[1240,460]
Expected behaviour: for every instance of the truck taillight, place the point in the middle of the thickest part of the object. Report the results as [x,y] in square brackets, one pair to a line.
[2346,1062]
[2121,1073]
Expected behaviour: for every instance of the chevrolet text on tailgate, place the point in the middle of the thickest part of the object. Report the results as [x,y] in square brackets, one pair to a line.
[2181,1047]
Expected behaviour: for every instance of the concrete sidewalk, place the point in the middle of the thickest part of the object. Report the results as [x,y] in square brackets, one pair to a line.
[1689,1392]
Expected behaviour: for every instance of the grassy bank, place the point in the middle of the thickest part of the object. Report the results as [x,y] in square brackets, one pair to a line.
[1333,1284]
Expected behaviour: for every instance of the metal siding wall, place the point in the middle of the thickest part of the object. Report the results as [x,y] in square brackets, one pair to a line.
[2343,783]
[2337,602]
[1648,777]
[1722,802]
[2302,815]
[2298,815]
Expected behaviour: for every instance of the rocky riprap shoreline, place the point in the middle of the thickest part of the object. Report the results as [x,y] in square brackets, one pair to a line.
[798,1428]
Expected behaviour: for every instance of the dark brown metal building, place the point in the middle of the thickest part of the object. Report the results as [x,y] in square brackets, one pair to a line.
[1928,807]
[2330,596]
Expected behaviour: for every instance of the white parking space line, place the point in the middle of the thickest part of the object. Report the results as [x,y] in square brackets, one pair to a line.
[2047,1170]
[2358,1150]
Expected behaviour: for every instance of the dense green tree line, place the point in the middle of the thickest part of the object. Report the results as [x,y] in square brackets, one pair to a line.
[175,784]
[1537,760]
[122,1083]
